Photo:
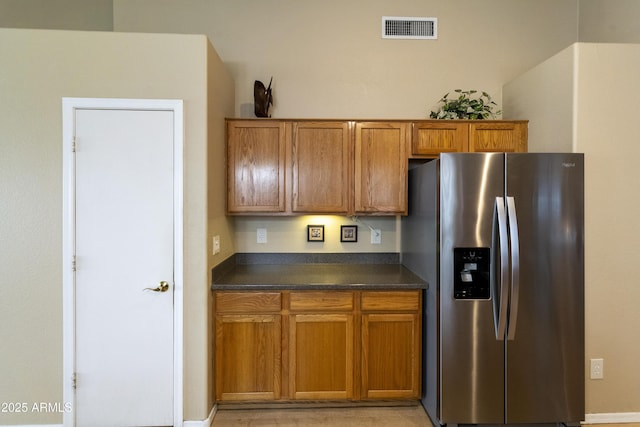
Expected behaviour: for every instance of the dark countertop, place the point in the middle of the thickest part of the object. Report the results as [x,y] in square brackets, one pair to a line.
[315,276]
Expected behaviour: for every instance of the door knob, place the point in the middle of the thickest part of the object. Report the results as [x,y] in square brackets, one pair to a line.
[162,287]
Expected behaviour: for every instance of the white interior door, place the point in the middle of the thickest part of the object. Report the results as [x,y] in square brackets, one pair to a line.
[124,255]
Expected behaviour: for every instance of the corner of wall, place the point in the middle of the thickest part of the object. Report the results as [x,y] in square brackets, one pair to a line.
[220,104]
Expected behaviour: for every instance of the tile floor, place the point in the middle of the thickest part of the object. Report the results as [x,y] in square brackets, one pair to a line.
[398,416]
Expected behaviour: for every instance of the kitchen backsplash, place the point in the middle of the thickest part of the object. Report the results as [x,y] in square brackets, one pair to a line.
[290,234]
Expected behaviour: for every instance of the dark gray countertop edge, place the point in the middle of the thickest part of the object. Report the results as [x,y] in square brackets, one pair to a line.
[314,272]
[318,287]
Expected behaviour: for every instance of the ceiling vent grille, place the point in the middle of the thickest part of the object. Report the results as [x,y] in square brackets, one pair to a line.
[394,27]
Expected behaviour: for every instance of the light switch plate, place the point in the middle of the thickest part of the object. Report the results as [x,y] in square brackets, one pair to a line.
[216,245]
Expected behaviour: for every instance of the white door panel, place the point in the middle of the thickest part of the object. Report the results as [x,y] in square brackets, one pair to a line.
[124,216]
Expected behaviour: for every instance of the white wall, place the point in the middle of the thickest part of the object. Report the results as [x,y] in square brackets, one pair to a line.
[545,95]
[609,21]
[599,116]
[328,59]
[37,69]
[57,15]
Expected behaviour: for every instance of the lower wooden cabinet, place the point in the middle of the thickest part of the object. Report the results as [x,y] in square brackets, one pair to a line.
[248,346]
[318,345]
[321,356]
[391,344]
[321,344]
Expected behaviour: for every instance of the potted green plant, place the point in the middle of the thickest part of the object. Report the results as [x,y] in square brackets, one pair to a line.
[467,105]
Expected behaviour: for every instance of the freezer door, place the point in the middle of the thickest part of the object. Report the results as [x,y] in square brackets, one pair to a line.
[545,360]
[471,358]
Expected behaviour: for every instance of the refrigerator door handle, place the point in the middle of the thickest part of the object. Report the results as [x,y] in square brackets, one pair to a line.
[500,278]
[514,243]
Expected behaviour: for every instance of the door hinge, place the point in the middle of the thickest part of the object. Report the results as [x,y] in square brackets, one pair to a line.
[74,380]
[73,263]
[73,144]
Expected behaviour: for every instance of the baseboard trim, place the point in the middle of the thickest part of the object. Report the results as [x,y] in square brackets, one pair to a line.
[204,423]
[613,418]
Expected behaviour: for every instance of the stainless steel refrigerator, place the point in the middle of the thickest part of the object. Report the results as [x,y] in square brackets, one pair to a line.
[499,237]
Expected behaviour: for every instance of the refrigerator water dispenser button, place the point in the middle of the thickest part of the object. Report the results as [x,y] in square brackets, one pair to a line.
[466,276]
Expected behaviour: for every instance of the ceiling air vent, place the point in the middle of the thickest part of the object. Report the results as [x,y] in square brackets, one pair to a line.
[394,27]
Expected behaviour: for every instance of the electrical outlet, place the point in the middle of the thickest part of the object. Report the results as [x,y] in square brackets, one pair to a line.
[376,236]
[261,235]
[216,245]
[597,369]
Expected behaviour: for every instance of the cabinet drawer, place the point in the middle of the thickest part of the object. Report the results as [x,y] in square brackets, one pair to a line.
[321,301]
[252,302]
[391,300]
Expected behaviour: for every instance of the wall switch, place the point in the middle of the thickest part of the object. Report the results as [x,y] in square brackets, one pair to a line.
[597,369]
[376,236]
[261,235]
[216,245]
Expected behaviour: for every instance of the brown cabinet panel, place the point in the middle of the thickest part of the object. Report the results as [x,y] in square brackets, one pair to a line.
[497,136]
[255,166]
[432,138]
[321,301]
[391,300]
[391,356]
[381,167]
[321,356]
[321,163]
[248,302]
[248,357]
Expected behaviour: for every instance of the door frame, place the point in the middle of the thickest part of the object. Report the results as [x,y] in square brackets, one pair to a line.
[69,106]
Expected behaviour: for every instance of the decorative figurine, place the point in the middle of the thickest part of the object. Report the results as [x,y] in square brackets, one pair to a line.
[262,98]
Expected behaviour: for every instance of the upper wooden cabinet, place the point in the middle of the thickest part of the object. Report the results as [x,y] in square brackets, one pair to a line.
[289,167]
[344,167]
[381,168]
[432,137]
[256,166]
[321,158]
[498,136]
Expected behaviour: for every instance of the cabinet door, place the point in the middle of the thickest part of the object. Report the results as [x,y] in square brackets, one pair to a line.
[248,357]
[391,344]
[498,136]
[256,166]
[391,356]
[321,356]
[430,138]
[381,168]
[321,161]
